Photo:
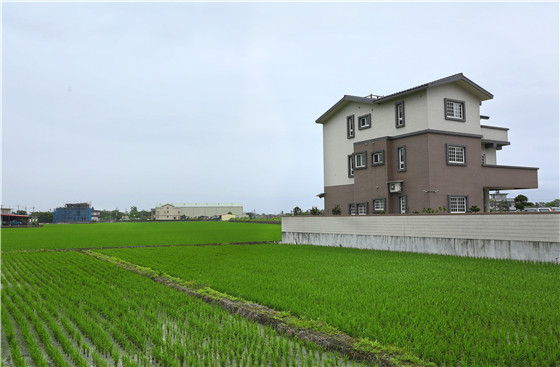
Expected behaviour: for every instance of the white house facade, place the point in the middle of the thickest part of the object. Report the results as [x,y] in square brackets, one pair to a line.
[424,147]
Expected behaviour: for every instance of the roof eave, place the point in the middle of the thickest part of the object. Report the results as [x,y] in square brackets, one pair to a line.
[340,104]
[459,78]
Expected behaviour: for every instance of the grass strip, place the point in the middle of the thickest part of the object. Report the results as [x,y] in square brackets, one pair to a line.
[315,331]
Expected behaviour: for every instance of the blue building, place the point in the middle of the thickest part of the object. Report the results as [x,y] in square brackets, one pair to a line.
[73,213]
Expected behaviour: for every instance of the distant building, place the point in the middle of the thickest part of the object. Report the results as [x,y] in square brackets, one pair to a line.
[9,218]
[73,213]
[95,215]
[177,211]
[226,217]
[499,202]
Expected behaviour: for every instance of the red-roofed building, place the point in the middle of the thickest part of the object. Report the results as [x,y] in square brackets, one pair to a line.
[10,219]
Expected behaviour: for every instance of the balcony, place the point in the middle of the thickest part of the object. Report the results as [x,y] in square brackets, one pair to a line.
[496,177]
[495,136]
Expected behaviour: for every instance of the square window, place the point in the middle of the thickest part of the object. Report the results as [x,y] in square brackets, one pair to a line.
[456,154]
[457,204]
[364,122]
[399,114]
[353,209]
[360,160]
[454,110]
[350,127]
[377,158]
[378,205]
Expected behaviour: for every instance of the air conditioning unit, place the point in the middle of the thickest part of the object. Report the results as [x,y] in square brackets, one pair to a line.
[395,187]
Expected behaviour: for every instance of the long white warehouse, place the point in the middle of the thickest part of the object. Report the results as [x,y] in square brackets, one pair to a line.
[175,211]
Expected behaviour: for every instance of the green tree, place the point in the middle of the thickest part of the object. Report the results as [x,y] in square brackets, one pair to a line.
[144,214]
[21,212]
[133,212]
[297,210]
[555,203]
[105,215]
[43,217]
[116,215]
[521,201]
[336,210]
[314,211]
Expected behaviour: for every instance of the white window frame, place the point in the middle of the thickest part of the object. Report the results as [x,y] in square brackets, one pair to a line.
[456,154]
[399,114]
[378,205]
[362,208]
[364,122]
[360,160]
[402,204]
[353,209]
[350,128]
[401,159]
[377,158]
[458,203]
[454,110]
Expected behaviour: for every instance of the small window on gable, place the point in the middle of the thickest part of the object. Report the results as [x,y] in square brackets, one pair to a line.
[364,122]
[454,110]
[360,160]
[377,158]
[350,132]
[399,114]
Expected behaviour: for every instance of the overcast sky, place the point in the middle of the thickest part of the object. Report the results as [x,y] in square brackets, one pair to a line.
[124,104]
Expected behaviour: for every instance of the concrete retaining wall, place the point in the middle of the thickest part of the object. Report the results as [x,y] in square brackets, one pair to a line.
[524,236]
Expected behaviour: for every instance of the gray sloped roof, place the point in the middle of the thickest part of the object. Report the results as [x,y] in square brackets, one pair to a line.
[459,78]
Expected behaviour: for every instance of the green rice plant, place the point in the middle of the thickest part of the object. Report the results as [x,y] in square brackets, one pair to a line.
[82,301]
[445,309]
[56,236]
[22,320]
[8,330]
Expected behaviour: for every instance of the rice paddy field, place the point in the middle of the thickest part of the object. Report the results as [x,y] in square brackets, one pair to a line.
[66,236]
[68,308]
[447,310]
[71,309]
